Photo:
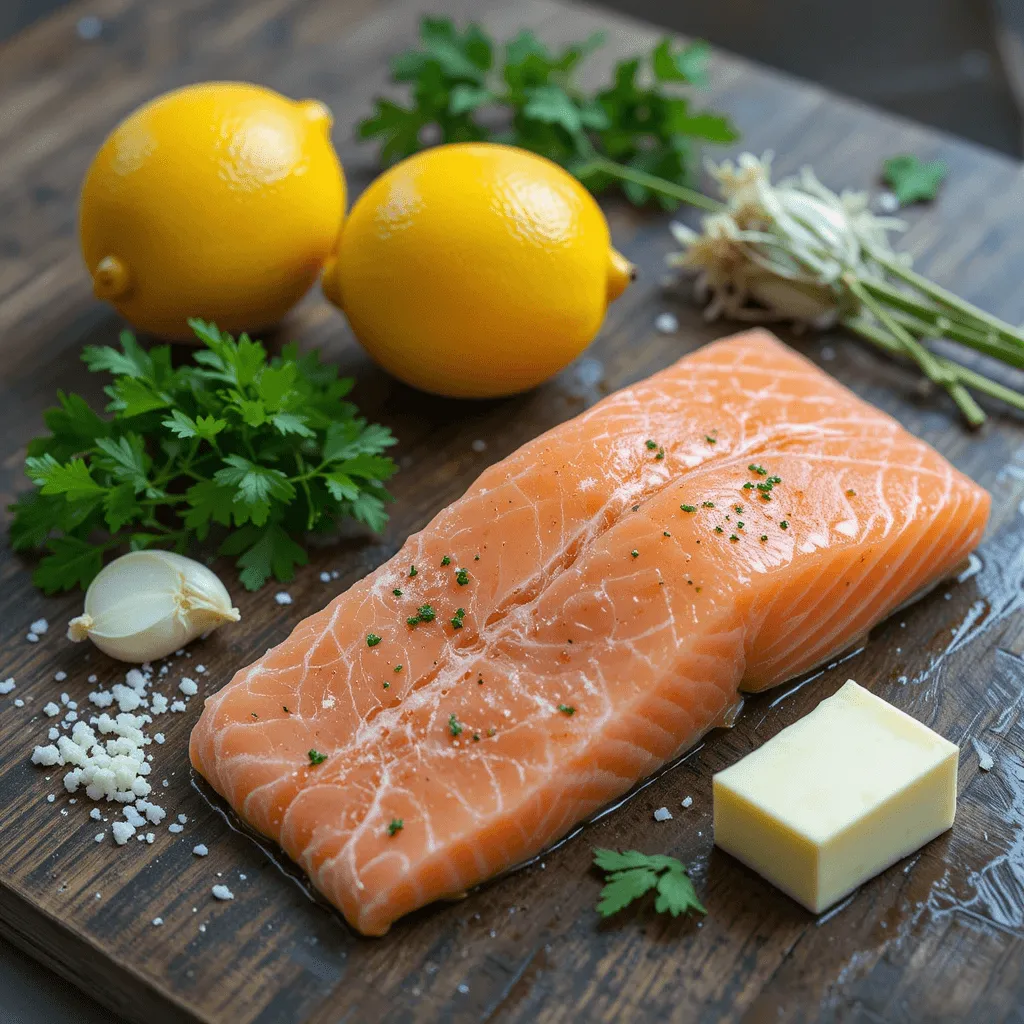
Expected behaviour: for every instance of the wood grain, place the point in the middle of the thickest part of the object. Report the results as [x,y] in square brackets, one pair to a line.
[938,937]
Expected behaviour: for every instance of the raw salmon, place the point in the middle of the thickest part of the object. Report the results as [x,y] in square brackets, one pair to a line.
[591,607]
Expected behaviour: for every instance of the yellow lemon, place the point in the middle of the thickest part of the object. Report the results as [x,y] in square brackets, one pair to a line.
[475,270]
[221,200]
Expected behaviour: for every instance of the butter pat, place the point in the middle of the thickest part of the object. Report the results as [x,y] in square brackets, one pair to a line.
[837,797]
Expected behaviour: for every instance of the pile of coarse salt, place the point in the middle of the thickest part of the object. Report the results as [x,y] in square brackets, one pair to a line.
[106,754]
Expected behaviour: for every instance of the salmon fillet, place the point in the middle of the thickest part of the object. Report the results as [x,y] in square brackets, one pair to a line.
[589,609]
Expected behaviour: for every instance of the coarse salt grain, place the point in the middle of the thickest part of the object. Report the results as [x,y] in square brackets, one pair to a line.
[18,702]
[178,706]
[51,710]
[666,323]
[182,819]
[100,836]
[688,802]
[283,597]
[159,738]
[325,577]
[200,850]
[6,686]
[122,832]
[60,676]
[222,892]
[175,827]
[200,669]
[188,687]
[662,814]
[39,627]
[157,921]
[32,638]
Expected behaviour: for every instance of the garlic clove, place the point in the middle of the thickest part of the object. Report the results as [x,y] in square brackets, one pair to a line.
[147,604]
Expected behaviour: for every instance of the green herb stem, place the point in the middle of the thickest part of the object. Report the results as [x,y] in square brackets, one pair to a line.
[948,299]
[669,189]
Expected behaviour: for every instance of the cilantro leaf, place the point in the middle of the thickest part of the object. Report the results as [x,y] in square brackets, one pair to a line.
[71,562]
[72,479]
[621,889]
[912,180]
[232,448]
[631,874]
[254,483]
[533,102]
[265,553]
[676,894]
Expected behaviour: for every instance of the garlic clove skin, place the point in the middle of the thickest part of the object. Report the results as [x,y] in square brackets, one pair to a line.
[148,604]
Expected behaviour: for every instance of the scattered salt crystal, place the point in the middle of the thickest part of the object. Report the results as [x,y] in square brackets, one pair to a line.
[985,760]
[887,202]
[50,799]
[335,574]
[158,704]
[32,638]
[479,445]
[188,687]
[151,838]
[202,928]
[6,686]
[159,738]
[157,921]
[100,836]
[182,819]
[662,814]
[53,733]
[178,706]
[60,676]
[666,323]
[688,802]
[40,626]
[200,669]
[89,27]
[92,679]
[242,877]
[200,850]
[71,716]
[65,699]
[123,831]
[325,577]
[222,892]
[175,828]
[283,597]
[19,703]
[463,989]
[95,814]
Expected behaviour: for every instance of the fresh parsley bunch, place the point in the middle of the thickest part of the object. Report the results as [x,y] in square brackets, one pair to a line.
[639,132]
[252,451]
[631,874]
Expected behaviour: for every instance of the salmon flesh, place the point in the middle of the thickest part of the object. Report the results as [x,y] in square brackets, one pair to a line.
[592,606]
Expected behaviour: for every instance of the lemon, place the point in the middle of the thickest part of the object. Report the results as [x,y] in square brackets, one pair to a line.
[475,270]
[221,200]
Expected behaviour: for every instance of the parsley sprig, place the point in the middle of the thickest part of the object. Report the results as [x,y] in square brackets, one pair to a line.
[638,133]
[234,447]
[631,874]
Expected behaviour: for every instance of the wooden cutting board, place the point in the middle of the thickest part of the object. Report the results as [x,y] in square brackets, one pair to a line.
[937,937]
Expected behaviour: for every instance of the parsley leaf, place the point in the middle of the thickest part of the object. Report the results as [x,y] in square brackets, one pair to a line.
[236,447]
[913,180]
[631,874]
[639,133]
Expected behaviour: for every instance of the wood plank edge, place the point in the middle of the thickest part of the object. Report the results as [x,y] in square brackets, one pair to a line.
[116,986]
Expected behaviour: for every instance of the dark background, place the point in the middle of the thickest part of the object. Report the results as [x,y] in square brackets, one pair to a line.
[954,64]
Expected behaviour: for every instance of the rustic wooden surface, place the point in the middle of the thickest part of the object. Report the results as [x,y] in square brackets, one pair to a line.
[938,937]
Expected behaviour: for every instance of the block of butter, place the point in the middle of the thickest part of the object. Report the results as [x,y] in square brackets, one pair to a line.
[836,797]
